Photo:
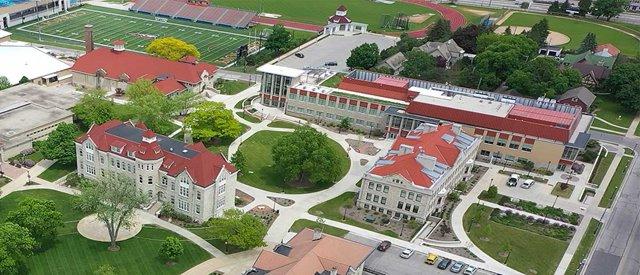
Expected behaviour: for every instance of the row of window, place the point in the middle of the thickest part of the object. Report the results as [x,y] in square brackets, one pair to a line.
[331,116]
[396,215]
[408,207]
[333,104]
[403,193]
[498,156]
[376,198]
[503,143]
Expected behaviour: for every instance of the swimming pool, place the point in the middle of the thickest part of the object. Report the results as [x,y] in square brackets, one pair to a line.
[6,3]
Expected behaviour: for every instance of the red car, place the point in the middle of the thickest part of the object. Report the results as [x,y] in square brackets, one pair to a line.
[384,245]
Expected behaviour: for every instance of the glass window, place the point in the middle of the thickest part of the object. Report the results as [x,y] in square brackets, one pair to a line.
[410,196]
[373,111]
[184,191]
[370,185]
[485,153]
[526,147]
[368,197]
[514,145]
[332,103]
[342,105]
[352,107]
[386,189]
[150,180]
[198,208]
[198,195]
[501,142]
[383,200]
[415,209]
[376,198]
[488,139]
[378,187]
[418,197]
[400,205]
[164,180]
[403,194]
[362,109]
[407,207]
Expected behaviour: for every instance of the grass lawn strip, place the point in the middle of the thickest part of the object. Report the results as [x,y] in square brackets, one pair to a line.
[331,210]
[333,81]
[566,193]
[602,165]
[529,251]
[610,128]
[615,183]
[577,31]
[283,124]
[300,224]
[249,118]
[261,174]
[203,233]
[231,87]
[57,171]
[586,243]
[610,110]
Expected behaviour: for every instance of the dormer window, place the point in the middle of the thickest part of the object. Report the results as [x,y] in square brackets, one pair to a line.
[131,154]
[115,149]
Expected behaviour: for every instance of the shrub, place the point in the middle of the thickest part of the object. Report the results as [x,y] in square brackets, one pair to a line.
[492,192]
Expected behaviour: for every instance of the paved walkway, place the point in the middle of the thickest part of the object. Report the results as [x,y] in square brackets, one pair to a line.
[93,229]
[631,132]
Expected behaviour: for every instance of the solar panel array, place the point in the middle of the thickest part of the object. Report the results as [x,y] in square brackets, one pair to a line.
[180,9]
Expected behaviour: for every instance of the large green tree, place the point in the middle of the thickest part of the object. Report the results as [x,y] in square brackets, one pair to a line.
[16,245]
[541,77]
[239,229]
[499,56]
[113,199]
[539,32]
[170,250]
[466,37]
[4,82]
[172,48]
[279,40]
[94,107]
[364,56]
[419,65]
[589,43]
[40,217]
[147,104]
[584,7]
[608,8]
[624,85]
[441,31]
[305,155]
[211,120]
[60,144]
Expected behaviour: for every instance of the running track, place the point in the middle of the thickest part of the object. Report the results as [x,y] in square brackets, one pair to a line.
[287,24]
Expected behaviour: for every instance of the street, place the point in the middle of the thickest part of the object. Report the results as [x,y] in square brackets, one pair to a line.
[617,249]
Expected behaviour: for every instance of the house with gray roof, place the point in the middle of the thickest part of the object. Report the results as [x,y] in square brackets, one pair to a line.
[579,97]
[449,51]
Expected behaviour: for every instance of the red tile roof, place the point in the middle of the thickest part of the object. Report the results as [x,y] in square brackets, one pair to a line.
[610,48]
[169,86]
[342,8]
[202,165]
[339,19]
[138,65]
[381,89]
[428,143]
[542,116]
[392,81]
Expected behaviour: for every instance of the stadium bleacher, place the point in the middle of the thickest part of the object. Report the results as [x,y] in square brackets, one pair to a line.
[208,14]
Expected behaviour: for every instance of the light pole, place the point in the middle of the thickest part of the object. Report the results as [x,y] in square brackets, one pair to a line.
[28,177]
[554,201]
[491,183]
[344,214]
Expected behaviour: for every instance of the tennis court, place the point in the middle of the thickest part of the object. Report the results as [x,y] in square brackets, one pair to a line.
[137,30]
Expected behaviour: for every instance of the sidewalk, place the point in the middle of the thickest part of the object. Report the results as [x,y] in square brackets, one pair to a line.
[631,132]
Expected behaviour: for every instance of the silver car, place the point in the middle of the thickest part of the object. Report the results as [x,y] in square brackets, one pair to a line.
[457,267]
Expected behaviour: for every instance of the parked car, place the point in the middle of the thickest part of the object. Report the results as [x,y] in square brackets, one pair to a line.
[457,267]
[407,253]
[444,263]
[299,55]
[331,63]
[470,270]
[527,184]
[384,245]
[431,259]
[513,180]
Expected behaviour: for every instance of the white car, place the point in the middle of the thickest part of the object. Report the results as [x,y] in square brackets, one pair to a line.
[527,184]
[407,253]
[513,180]
[470,270]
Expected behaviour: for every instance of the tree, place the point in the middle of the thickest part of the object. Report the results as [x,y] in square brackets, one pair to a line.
[279,39]
[539,32]
[508,31]
[172,48]
[306,154]
[23,80]
[467,37]
[554,7]
[565,6]
[364,56]
[441,31]
[40,217]
[149,105]
[170,250]
[589,43]
[584,6]
[527,165]
[60,144]
[624,84]
[541,77]
[239,229]
[4,82]
[499,56]
[94,107]
[211,120]
[344,125]
[453,196]
[239,161]
[16,245]
[608,8]
[113,198]
[419,65]
[407,43]
[492,192]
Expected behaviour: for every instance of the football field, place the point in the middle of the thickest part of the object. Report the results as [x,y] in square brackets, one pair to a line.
[137,30]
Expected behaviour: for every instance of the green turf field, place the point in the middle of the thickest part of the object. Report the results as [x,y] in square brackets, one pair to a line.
[138,30]
[317,12]
[577,30]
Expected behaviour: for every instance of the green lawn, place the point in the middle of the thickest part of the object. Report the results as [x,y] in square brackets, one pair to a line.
[249,118]
[615,183]
[66,30]
[74,254]
[628,151]
[300,224]
[36,157]
[577,30]
[637,131]
[529,251]
[317,12]
[610,110]
[566,193]
[601,168]
[57,171]
[202,232]
[222,146]
[331,210]
[612,129]
[333,81]
[231,87]
[283,124]
[586,243]
[4,181]
[260,174]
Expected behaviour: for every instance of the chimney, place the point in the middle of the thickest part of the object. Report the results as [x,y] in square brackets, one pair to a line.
[118,45]
[334,271]
[88,38]
[317,234]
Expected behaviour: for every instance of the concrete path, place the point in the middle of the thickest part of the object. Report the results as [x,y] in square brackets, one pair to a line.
[631,132]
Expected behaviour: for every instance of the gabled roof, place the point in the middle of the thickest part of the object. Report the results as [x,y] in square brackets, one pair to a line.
[306,255]
[582,93]
[202,165]
[338,19]
[342,8]
[609,48]
[597,72]
[395,61]
[589,57]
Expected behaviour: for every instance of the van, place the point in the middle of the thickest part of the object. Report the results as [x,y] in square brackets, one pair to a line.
[513,180]
[431,259]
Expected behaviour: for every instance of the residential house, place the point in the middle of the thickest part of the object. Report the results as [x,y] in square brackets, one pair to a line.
[580,97]
[395,62]
[421,168]
[313,252]
[189,177]
[449,51]
[592,74]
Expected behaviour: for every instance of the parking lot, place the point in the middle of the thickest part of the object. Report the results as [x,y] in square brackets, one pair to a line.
[334,48]
[390,263]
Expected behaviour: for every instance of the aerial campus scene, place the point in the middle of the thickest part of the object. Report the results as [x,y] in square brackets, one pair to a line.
[319,137]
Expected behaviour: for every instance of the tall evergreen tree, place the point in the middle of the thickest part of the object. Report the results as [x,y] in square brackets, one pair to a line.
[584,6]
[554,7]
[589,43]
[539,32]
[565,6]
[441,31]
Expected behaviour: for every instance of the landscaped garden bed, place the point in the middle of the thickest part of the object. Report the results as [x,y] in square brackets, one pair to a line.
[531,207]
[536,225]
[562,189]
